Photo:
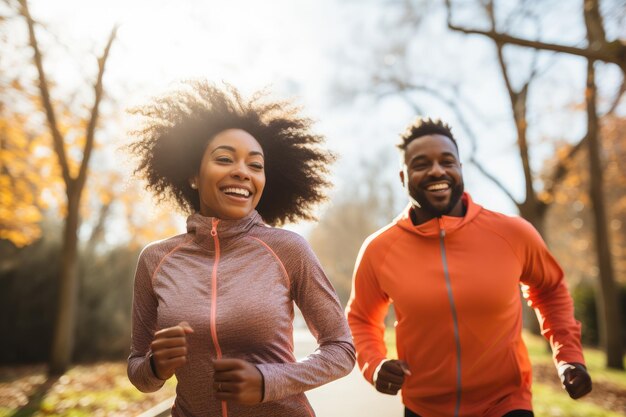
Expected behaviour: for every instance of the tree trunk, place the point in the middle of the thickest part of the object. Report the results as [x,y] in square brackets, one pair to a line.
[63,343]
[608,306]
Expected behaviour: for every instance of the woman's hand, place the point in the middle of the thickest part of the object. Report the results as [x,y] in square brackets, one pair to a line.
[169,349]
[237,380]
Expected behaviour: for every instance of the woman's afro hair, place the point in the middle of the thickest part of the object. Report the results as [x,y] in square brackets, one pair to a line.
[178,126]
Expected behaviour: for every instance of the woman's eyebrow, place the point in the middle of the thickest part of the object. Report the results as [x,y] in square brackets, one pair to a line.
[230,148]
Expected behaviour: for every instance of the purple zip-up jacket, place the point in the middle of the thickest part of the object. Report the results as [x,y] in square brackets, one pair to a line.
[235,282]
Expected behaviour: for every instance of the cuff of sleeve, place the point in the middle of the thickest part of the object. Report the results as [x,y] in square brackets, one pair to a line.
[272,390]
[149,373]
[569,365]
[262,383]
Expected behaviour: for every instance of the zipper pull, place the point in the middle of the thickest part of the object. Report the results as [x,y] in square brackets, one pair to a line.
[442,231]
[214,222]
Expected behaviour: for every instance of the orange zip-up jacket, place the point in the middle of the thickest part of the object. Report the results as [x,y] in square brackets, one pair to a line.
[454,283]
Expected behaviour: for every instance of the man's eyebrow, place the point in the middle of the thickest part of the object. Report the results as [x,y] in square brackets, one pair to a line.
[422,156]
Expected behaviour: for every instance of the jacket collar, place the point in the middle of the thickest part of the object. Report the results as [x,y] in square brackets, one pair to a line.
[227,230]
[433,227]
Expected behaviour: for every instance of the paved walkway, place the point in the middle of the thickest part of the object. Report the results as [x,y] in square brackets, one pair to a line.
[349,396]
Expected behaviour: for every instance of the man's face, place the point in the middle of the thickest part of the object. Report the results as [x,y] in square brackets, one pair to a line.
[432,176]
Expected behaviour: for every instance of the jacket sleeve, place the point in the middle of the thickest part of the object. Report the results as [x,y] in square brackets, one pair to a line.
[315,296]
[545,290]
[144,321]
[366,313]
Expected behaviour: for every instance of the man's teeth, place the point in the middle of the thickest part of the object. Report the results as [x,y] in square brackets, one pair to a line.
[437,187]
[239,191]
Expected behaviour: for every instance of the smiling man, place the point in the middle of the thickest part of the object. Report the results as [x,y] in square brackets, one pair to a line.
[453,270]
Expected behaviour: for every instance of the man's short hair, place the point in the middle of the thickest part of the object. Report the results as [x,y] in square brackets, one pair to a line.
[423,126]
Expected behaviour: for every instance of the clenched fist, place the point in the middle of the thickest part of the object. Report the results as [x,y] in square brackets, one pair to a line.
[237,380]
[169,349]
[391,376]
[575,379]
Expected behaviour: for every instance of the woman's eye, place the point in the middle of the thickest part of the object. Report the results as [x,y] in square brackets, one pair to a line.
[223,159]
[256,166]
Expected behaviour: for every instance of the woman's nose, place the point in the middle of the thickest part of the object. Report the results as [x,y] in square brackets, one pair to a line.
[241,171]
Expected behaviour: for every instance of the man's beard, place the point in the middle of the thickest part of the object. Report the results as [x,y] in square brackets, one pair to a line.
[420,196]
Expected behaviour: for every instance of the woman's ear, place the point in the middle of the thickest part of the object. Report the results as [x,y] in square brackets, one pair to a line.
[193,182]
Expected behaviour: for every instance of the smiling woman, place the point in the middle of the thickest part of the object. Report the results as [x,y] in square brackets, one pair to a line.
[215,305]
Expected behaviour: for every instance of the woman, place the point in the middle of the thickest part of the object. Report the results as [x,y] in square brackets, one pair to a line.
[215,305]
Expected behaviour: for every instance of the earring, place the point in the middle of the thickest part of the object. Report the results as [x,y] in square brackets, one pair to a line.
[194,186]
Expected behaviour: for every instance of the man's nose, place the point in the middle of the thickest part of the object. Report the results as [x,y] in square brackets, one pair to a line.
[436,170]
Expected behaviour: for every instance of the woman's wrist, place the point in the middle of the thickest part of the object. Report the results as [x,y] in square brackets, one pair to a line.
[153,366]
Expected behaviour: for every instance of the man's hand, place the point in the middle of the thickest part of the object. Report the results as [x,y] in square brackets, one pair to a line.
[237,380]
[169,349]
[575,379]
[391,376]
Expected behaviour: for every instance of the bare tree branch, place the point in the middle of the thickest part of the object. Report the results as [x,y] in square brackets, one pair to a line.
[93,120]
[613,52]
[57,137]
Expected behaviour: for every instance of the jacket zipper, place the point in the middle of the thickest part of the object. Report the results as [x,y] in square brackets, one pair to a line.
[455,321]
[213,317]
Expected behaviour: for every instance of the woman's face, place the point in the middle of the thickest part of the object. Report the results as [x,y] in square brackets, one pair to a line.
[231,176]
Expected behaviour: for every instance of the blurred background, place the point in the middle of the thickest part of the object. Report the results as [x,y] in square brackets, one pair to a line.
[534,91]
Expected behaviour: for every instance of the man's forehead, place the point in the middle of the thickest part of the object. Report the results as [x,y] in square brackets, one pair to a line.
[430,144]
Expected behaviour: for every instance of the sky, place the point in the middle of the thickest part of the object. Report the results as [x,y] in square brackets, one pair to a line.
[307,50]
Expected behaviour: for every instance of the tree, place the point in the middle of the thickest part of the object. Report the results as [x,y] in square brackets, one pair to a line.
[74,183]
[598,48]
[570,218]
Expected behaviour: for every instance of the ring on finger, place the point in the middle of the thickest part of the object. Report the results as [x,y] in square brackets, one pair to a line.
[219,387]
[389,386]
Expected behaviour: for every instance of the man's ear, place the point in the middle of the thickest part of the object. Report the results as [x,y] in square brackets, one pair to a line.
[402,177]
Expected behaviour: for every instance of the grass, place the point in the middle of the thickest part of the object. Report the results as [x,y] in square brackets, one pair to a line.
[548,401]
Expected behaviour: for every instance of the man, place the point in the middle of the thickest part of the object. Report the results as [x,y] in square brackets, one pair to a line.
[452,270]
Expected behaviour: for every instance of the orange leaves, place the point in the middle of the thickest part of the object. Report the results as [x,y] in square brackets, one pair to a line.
[569,220]
[21,182]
